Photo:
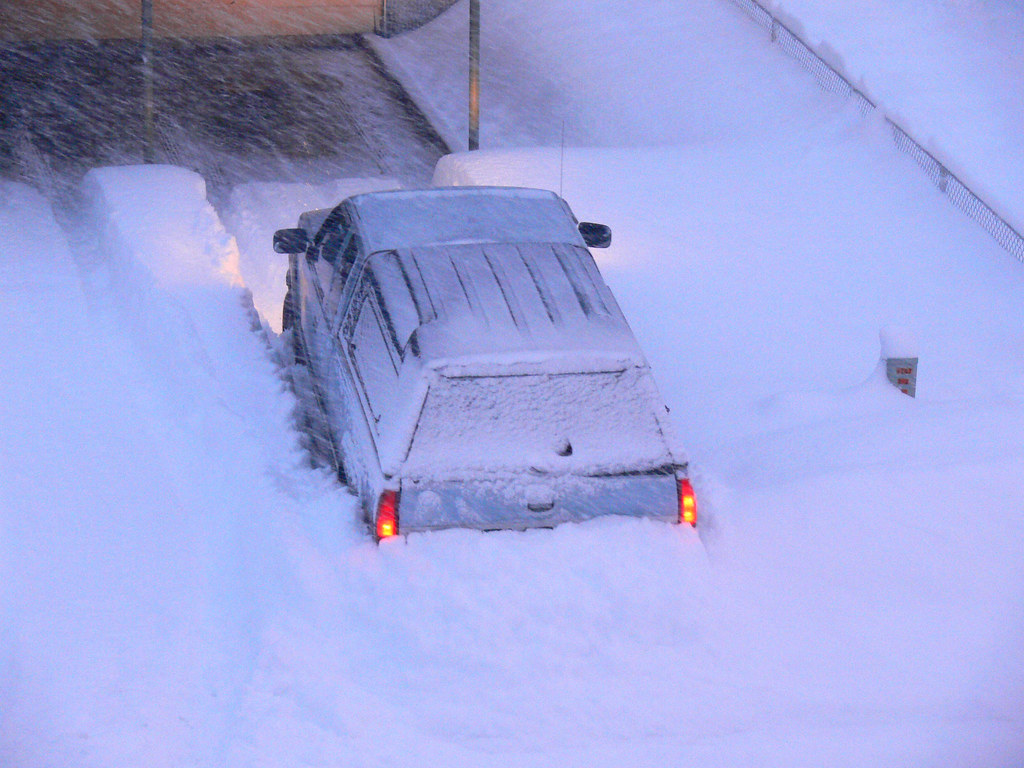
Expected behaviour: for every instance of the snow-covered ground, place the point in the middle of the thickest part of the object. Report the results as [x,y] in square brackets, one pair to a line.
[948,72]
[179,588]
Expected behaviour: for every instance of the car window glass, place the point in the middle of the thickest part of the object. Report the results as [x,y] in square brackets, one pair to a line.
[348,256]
[342,268]
[333,305]
[375,360]
[331,245]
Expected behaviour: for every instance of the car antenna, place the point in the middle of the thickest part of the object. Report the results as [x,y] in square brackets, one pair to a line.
[561,160]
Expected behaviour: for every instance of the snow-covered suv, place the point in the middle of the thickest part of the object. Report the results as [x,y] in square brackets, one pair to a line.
[468,366]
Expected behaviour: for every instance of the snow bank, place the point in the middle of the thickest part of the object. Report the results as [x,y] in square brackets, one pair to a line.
[150,469]
[42,329]
[83,556]
[164,224]
[940,70]
[898,341]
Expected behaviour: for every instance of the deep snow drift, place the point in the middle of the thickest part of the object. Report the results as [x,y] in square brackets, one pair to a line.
[947,72]
[178,587]
[150,470]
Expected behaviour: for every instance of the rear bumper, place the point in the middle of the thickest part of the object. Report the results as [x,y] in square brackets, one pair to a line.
[522,501]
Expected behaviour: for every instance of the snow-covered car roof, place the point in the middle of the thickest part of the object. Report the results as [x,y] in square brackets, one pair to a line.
[495,304]
[409,218]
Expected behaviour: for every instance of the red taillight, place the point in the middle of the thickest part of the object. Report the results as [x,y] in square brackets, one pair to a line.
[387,515]
[687,503]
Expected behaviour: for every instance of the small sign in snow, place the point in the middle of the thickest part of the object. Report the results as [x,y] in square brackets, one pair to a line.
[902,373]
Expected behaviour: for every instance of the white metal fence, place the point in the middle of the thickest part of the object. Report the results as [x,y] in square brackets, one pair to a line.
[958,193]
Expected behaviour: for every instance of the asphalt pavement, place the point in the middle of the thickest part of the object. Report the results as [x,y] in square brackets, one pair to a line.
[269,109]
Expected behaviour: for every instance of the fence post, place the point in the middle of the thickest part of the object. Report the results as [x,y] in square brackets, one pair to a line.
[147,79]
[474,74]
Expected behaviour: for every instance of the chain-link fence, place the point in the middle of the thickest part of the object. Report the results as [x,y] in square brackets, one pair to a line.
[958,193]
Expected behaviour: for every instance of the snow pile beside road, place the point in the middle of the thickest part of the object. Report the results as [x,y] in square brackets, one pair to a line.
[159,219]
[89,563]
[150,473]
[42,332]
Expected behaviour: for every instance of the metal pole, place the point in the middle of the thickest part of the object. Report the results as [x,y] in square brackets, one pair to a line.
[474,74]
[147,79]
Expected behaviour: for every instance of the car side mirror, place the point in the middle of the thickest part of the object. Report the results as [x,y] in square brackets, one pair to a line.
[596,235]
[291,241]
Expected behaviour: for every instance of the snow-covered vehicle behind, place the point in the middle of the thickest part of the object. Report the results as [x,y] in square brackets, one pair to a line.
[468,366]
